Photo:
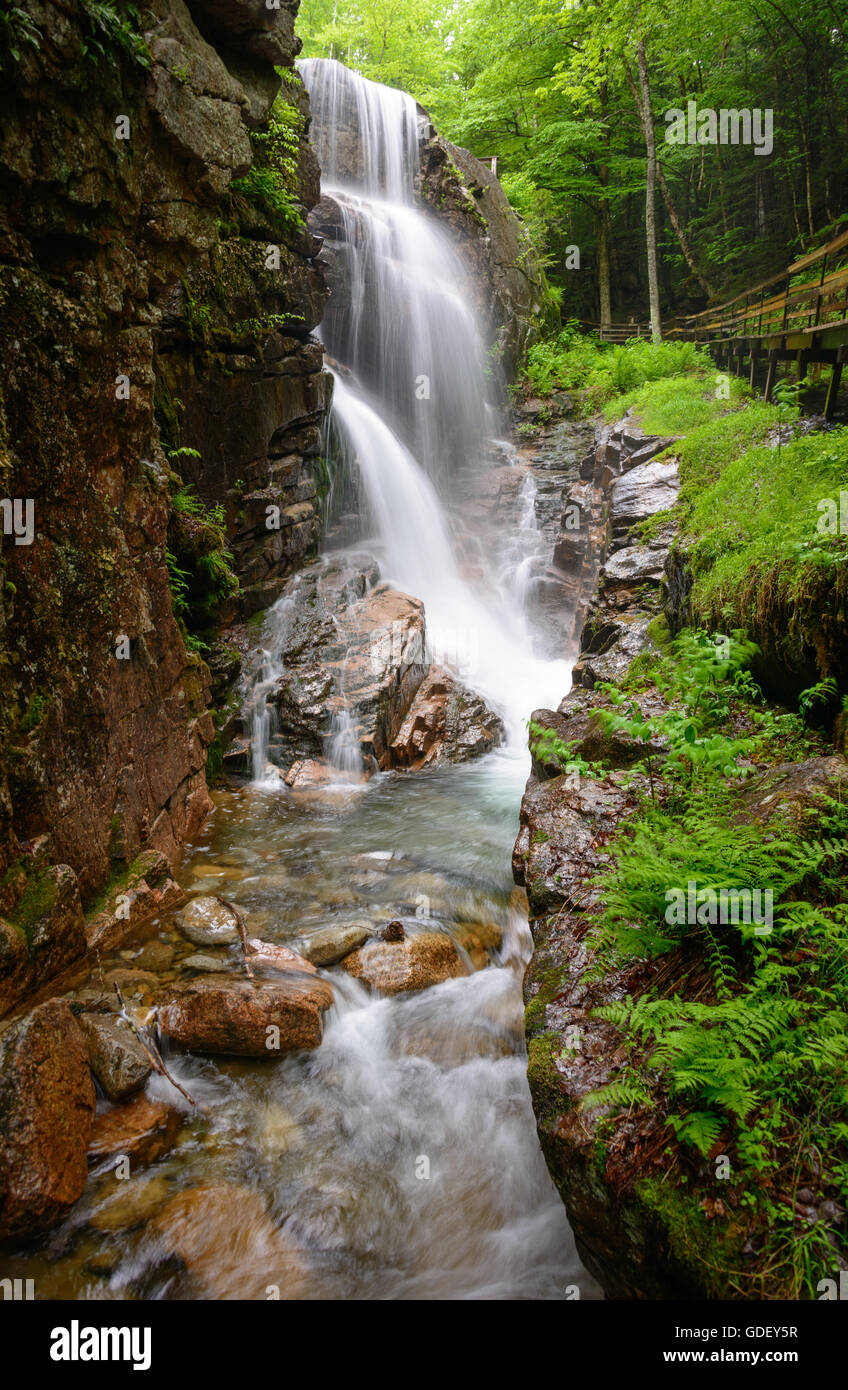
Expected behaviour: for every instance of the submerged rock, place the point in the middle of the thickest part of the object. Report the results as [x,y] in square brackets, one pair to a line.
[224,1236]
[143,1130]
[248,1018]
[395,967]
[46,1113]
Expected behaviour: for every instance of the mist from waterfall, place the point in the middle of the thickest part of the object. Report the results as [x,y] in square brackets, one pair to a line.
[415,399]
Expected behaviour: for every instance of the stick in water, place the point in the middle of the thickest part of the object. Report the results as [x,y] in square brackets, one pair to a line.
[153,1054]
[242,931]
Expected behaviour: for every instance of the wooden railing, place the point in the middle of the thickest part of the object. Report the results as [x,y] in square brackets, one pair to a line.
[617,332]
[782,319]
[777,307]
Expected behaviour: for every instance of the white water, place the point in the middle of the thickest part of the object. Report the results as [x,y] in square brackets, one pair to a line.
[409,326]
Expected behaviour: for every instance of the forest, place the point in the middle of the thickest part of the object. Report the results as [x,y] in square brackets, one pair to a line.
[558,93]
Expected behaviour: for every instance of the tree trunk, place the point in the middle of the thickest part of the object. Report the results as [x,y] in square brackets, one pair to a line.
[604,267]
[688,254]
[650,196]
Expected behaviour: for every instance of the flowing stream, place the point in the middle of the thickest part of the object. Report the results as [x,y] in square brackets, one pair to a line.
[400,1159]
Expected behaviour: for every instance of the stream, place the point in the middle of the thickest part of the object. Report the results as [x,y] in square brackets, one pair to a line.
[399,1160]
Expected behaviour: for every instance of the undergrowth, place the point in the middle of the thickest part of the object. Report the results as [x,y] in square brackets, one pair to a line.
[743,1047]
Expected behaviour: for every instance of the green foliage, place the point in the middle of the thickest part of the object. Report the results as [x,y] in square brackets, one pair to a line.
[112,32]
[200,567]
[272,180]
[18,31]
[573,360]
[549,750]
[759,547]
[748,1051]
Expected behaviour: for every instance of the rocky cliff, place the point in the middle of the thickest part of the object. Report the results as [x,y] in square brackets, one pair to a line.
[653,1217]
[158,289]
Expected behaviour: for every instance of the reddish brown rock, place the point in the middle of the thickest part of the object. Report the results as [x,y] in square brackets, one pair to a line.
[395,967]
[46,1112]
[248,1018]
[143,1129]
[446,723]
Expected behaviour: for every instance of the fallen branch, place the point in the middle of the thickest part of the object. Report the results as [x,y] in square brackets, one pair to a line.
[242,931]
[152,1052]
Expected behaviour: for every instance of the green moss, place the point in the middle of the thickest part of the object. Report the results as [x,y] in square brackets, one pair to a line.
[543,1078]
[707,1249]
[37,901]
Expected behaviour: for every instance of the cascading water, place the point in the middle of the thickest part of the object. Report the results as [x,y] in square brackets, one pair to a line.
[416,404]
[399,1159]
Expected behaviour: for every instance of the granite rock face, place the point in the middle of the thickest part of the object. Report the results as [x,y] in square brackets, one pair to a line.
[154,319]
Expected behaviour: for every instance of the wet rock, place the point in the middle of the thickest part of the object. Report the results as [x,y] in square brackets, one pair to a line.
[147,892]
[422,960]
[45,931]
[791,790]
[206,922]
[224,1236]
[560,822]
[132,1204]
[117,1058]
[142,1129]
[210,965]
[446,723]
[314,774]
[266,956]
[354,656]
[46,1113]
[248,1018]
[644,490]
[331,944]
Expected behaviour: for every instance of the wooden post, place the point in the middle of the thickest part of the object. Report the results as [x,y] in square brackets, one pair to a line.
[833,387]
[770,374]
[755,360]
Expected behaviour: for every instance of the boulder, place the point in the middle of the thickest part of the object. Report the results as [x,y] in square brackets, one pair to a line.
[417,962]
[46,1113]
[248,1018]
[648,488]
[446,723]
[117,1058]
[206,922]
[331,944]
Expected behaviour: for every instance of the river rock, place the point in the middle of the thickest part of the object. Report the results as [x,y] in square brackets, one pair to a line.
[117,1058]
[224,1236]
[247,1018]
[46,1112]
[425,959]
[209,965]
[331,944]
[446,723]
[142,1129]
[206,922]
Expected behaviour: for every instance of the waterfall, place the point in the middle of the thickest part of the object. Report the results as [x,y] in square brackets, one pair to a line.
[415,401]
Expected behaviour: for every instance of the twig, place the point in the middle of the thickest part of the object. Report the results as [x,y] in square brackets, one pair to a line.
[242,931]
[153,1054]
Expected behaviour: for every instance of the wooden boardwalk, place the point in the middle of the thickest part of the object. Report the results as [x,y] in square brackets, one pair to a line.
[798,315]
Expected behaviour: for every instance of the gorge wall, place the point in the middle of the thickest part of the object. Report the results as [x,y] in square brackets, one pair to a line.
[159,288]
[118,149]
